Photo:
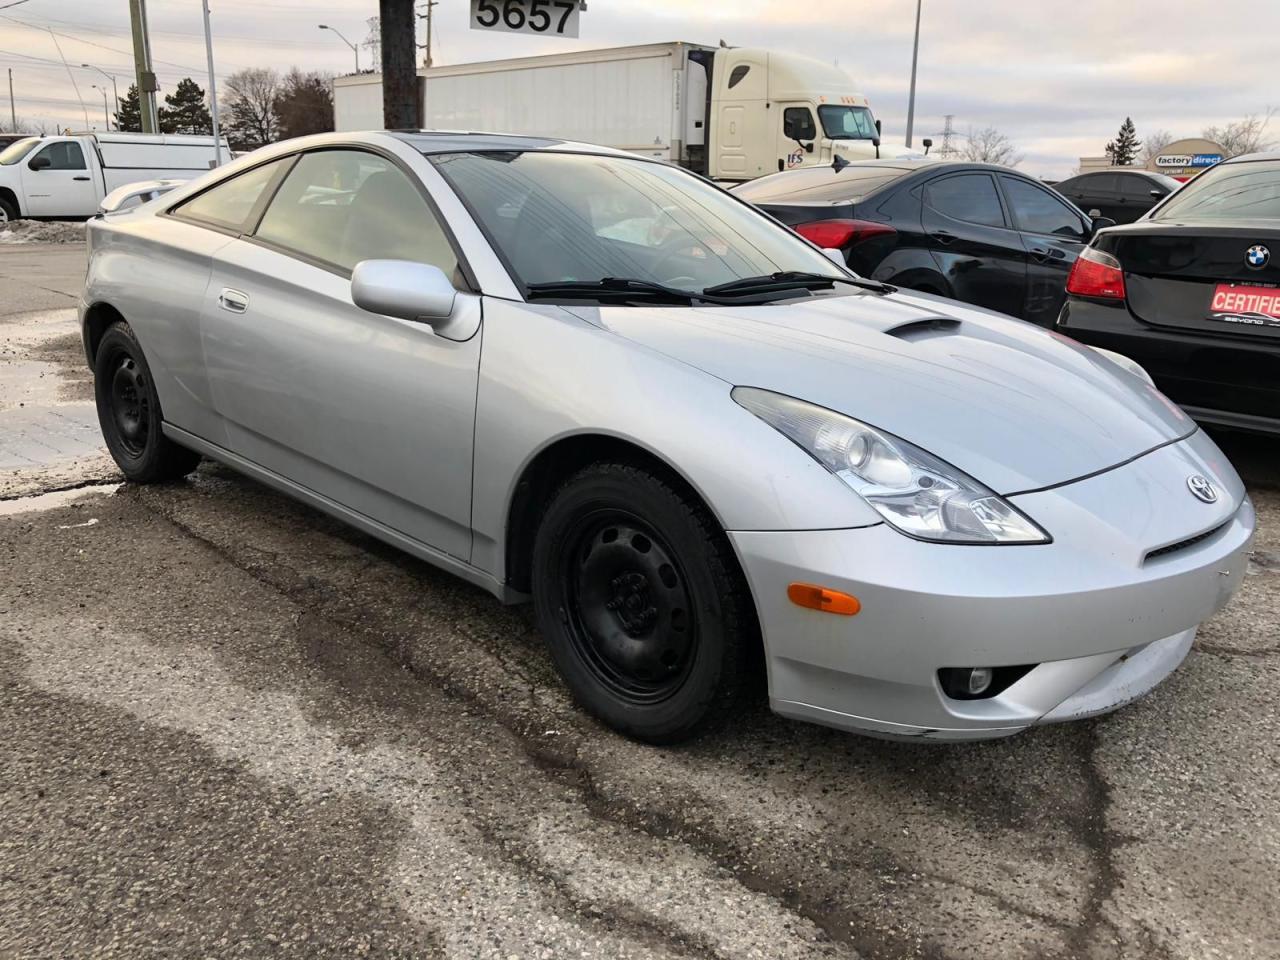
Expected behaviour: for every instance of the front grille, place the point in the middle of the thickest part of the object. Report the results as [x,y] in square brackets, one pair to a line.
[1183,544]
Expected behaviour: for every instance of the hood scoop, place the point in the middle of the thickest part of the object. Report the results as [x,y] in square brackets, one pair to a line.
[928,329]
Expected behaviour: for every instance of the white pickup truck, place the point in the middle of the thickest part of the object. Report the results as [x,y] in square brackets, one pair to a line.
[66,177]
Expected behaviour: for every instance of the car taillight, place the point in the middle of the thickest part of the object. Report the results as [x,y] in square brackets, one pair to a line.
[1096,274]
[838,234]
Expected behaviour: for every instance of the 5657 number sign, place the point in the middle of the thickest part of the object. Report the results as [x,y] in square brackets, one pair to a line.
[555,18]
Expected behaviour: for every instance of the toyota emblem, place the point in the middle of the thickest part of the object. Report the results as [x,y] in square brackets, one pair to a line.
[1202,489]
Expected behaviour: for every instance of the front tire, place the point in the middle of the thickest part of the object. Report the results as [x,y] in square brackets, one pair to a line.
[129,412]
[642,604]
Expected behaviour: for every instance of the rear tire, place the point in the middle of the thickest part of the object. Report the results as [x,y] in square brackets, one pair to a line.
[129,412]
[642,604]
[8,212]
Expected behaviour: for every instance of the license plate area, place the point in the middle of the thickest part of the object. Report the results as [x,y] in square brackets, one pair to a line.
[1245,305]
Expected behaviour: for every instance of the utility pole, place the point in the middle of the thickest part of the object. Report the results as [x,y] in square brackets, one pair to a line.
[426,59]
[13,114]
[399,67]
[915,56]
[213,88]
[142,67]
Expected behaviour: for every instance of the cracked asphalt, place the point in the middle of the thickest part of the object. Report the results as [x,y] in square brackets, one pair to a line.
[234,728]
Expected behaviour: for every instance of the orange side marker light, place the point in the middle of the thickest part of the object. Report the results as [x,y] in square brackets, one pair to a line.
[820,598]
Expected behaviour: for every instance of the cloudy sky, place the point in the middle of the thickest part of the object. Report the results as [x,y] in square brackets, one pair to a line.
[1057,78]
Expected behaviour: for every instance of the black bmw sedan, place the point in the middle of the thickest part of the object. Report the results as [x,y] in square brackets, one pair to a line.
[976,232]
[1192,293]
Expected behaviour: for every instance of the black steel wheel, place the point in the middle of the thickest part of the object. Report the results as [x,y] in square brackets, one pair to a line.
[129,412]
[642,604]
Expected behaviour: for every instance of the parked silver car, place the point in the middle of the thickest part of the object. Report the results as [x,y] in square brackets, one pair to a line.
[701,446]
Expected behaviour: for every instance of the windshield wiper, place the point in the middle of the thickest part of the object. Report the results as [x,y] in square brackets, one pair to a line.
[613,288]
[791,280]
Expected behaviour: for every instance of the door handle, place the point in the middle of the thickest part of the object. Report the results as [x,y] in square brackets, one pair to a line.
[79,178]
[1046,253]
[942,236]
[233,300]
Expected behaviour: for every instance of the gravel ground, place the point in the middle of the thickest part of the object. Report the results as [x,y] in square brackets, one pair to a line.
[235,728]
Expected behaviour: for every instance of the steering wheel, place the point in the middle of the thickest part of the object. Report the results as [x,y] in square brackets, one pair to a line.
[667,252]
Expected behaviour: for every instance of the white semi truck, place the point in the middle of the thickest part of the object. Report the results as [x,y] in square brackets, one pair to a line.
[731,113]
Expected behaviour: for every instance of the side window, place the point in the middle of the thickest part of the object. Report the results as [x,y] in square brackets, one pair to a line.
[64,155]
[1036,210]
[798,123]
[738,74]
[1137,188]
[344,206]
[1093,185]
[970,197]
[230,202]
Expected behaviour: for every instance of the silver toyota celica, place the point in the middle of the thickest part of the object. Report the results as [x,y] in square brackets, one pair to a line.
[699,445]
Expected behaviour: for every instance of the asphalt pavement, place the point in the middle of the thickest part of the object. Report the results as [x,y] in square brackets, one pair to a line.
[234,728]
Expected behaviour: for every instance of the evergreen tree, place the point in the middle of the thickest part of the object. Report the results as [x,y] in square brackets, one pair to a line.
[129,111]
[304,104]
[184,110]
[1123,150]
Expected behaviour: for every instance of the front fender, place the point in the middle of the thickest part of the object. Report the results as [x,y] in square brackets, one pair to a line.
[547,374]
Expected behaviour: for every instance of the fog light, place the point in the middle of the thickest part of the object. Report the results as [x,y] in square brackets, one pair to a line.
[978,681]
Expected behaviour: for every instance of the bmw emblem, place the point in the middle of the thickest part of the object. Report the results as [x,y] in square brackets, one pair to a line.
[1257,257]
[1202,489]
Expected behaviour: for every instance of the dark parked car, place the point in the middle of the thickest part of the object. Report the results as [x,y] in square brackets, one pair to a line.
[1121,195]
[975,232]
[1193,294]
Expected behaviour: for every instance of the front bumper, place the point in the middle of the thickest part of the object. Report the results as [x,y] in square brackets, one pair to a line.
[1102,621]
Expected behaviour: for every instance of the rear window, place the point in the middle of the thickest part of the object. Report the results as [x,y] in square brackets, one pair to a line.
[807,186]
[1229,191]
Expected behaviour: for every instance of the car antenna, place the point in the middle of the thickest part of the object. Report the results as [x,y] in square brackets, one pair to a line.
[839,163]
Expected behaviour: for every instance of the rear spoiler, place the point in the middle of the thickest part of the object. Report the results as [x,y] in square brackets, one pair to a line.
[146,190]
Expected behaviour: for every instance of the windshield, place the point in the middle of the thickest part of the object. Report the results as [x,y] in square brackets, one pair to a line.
[564,217]
[1229,191]
[847,123]
[17,150]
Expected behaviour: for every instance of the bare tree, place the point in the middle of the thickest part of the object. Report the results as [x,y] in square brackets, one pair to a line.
[1154,145]
[250,100]
[1248,135]
[22,126]
[989,145]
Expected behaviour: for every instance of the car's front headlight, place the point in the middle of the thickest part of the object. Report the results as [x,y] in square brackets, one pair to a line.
[914,491]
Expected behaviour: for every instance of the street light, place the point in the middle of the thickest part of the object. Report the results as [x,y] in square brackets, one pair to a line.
[915,56]
[106,116]
[114,92]
[354,48]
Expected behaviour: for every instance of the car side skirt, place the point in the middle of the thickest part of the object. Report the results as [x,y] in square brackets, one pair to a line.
[373,528]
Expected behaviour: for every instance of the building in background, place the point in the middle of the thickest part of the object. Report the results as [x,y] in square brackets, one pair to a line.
[1182,159]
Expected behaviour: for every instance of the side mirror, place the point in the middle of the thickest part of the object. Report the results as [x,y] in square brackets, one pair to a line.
[875,142]
[405,290]
[808,147]
[1101,223]
[1158,194]
[878,129]
[39,163]
[928,142]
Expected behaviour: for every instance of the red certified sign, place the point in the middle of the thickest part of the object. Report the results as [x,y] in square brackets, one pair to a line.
[1239,299]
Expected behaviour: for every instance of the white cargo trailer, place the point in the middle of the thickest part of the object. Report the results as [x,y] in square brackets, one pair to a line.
[729,112]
